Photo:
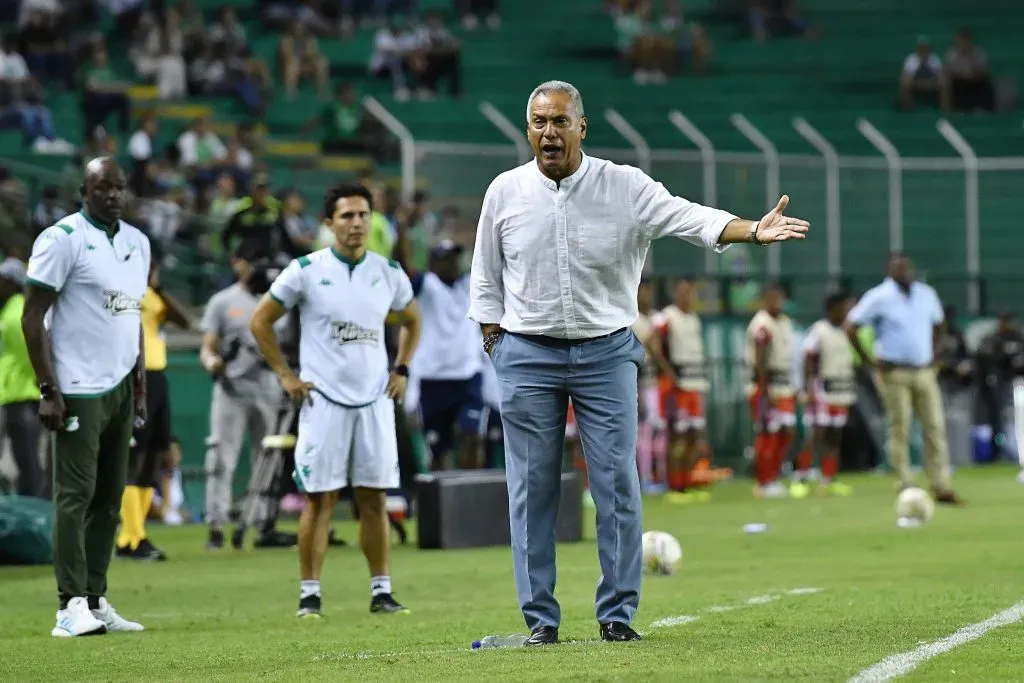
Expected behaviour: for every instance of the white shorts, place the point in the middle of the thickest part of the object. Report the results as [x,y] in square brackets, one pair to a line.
[339,447]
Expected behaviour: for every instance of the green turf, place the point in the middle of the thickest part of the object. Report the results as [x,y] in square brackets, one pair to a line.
[883,590]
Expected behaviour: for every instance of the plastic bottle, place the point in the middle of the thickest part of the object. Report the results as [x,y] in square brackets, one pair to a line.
[491,642]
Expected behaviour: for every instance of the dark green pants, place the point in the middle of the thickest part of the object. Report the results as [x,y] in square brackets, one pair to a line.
[89,468]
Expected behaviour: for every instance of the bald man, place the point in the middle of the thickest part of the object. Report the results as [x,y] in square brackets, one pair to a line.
[90,270]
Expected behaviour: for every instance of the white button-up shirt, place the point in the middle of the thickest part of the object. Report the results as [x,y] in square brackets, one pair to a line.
[564,259]
[903,322]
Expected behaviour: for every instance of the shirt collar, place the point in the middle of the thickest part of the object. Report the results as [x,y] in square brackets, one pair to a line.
[109,230]
[568,181]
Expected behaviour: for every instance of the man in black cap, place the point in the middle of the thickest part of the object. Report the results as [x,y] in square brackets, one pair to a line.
[448,362]
[258,223]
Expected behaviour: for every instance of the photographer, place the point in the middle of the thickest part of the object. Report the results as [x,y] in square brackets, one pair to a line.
[246,394]
[1000,359]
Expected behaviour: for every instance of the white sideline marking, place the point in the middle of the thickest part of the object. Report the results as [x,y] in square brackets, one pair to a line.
[675,621]
[683,619]
[905,662]
[762,599]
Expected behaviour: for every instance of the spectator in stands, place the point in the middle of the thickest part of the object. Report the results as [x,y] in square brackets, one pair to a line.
[228,31]
[51,8]
[777,19]
[104,94]
[202,152]
[299,59]
[258,221]
[471,11]
[223,206]
[282,13]
[388,60]
[967,69]
[342,122]
[301,227]
[50,209]
[642,45]
[158,55]
[923,74]
[443,55]
[140,149]
[44,50]
[193,28]
[14,73]
[692,44]
[21,106]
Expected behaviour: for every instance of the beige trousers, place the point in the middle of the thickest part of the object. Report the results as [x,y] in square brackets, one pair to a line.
[907,392]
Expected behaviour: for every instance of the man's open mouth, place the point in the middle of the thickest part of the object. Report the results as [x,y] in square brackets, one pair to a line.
[550,151]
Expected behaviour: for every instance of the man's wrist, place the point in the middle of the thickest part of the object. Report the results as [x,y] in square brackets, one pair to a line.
[401,369]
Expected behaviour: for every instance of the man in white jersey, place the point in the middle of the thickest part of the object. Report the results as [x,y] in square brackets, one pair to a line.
[770,347]
[830,390]
[82,323]
[346,434]
[448,363]
[683,386]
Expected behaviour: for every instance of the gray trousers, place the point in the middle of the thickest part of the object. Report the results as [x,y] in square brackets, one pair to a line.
[537,376]
[21,423]
[231,416]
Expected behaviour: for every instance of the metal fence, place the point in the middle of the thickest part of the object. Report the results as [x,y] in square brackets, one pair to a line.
[956,215]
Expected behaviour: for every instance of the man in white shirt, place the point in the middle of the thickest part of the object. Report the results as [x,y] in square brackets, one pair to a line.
[906,315]
[82,322]
[346,433]
[559,251]
[448,363]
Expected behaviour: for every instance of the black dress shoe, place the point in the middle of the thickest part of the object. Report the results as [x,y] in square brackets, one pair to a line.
[617,632]
[543,635]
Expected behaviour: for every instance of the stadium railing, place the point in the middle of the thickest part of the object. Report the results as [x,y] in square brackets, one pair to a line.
[952,213]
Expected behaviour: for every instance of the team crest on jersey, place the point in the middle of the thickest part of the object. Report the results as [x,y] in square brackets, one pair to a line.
[349,333]
[119,303]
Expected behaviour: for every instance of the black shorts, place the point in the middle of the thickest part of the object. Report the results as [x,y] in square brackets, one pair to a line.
[445,403]
[154,438]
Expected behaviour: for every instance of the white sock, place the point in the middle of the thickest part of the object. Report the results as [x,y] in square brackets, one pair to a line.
[309,587]
[379,584]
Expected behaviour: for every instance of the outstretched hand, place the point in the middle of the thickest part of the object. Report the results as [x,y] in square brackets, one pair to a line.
[775,227]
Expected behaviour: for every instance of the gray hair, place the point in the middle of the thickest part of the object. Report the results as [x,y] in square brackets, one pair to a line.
[557,86]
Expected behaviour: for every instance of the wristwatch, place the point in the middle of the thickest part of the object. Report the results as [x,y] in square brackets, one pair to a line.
[402,370]
[753,234]
[47,390]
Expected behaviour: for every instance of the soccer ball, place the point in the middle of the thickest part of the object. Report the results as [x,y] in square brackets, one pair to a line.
[661,553]
[914,507]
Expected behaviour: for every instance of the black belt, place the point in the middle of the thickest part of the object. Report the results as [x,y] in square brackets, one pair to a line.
[558,342]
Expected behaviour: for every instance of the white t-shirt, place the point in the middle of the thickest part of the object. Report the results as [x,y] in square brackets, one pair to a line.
[342,308]
[450,343]
[199,150]
[94,325]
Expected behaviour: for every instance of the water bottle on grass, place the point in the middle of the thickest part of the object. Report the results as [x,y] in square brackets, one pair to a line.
[492,642]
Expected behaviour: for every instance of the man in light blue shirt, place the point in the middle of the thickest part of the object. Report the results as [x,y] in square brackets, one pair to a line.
[906,315]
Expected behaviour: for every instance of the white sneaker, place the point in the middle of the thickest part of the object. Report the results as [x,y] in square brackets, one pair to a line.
[77,620]
[112,620]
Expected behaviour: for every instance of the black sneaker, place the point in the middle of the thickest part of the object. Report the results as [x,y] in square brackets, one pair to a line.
[276,539]
[309,607]
[216,541]
[333,540]
[146,546]
[141,553]
[238,538]
[384,602]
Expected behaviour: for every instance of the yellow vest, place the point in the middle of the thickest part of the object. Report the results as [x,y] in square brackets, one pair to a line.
[154,312]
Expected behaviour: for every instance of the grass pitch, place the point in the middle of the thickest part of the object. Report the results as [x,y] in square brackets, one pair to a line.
[830,589]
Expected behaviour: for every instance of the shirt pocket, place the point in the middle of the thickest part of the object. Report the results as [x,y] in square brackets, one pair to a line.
[599,243]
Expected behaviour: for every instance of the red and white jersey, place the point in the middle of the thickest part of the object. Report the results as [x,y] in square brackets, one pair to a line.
[777,332]
[684,346]
[830,345]
[643,328]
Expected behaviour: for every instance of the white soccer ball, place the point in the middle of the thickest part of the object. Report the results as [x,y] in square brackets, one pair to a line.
[661,553]
[914,504]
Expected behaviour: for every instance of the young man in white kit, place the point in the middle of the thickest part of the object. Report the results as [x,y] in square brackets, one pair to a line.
[346,433]
[830,391]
